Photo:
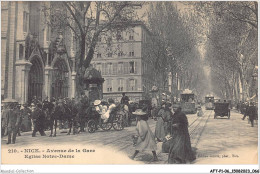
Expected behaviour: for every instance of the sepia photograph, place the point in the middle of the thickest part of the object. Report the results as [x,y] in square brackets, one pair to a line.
[129,83]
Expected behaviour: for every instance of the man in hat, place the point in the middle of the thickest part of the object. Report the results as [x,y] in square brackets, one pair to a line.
[252,113]
[245,110]
[84,105]
[26,118]
[5,110]
[124,99]
[18,112]
[47,109]
[12,123]
[38,119]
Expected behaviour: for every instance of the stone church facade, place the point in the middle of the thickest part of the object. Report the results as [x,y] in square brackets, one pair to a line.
[35,61]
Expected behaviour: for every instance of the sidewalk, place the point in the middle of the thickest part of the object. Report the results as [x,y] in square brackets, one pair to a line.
[228,141]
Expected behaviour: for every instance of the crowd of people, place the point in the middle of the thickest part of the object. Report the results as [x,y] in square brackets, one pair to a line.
[171,129]
[39,116]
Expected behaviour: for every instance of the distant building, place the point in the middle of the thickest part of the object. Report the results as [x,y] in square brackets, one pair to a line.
[124,60]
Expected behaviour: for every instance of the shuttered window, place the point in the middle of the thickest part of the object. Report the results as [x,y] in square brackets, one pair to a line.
[126,68]
[114,68]
[120,84]
[109,68]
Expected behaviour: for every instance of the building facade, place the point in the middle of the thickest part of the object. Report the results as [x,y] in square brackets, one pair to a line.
[39,62]
[123,59]
[34,60]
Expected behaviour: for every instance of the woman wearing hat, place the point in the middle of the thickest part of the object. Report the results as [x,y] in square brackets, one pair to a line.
[146,140]
[180,146]
[161,128]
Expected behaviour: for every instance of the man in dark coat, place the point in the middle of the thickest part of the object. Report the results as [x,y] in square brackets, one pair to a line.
[83,106]
[12,123]
[244,110]
[124,99]
[5,110]
[19,114]
[252,113]
[26,118]
[38,119]
[47,109]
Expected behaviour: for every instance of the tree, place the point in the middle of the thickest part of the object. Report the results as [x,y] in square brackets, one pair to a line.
[231,45]
[176,47]
[87,20]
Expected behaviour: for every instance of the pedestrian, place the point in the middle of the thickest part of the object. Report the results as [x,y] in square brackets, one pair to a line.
[26,115]
[146,139]
[19,114]
[252,113]
[161,128]
[12,123]
[245,110]
[180,146]
[38,120]
[75,118]
[200,112]
[84,105]
[5,110]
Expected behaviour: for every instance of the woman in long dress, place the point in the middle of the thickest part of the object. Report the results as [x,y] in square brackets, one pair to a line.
[180,145]
[161,128]
[146,139]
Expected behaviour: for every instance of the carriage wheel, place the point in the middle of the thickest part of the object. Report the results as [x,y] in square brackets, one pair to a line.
[91,126]
[106,126]
[118,122]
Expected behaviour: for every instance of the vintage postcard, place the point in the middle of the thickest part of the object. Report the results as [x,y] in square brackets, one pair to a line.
[129,82]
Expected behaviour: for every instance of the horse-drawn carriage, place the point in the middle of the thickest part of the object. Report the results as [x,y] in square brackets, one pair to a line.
[221,109]
[94,119]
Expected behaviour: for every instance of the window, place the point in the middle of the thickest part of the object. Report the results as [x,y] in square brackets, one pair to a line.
[131,53]
[109,68]
[120,54]
[131,34]
[25,21]
[109,55]
[109,85]
[131,37]
[132,85]
[120,85]
[48,33]
[132,67]
[119,35]
[120,67]
[20,51]
[98,55]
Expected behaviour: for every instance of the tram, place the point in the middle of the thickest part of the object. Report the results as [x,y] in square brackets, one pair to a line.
[188,102]
[209,102]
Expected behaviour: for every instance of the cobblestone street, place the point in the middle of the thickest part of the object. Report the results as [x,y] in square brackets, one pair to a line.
[215,141]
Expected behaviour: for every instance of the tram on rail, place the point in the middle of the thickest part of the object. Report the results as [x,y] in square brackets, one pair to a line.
[209,102]
[188,102]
